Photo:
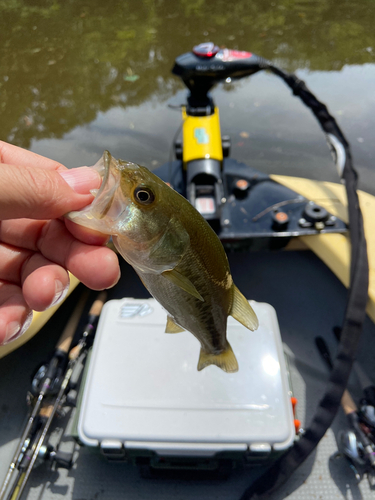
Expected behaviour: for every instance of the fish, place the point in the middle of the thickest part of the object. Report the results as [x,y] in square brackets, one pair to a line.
[175,252]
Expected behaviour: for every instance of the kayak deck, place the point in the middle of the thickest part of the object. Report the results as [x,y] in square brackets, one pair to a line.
[309,301]
[334,249]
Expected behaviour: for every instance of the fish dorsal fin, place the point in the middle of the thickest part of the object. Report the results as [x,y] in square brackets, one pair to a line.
[226,360]
[242,310]
[183,282]
[172,327]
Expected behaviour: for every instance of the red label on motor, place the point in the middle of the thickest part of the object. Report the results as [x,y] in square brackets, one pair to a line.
[233,55]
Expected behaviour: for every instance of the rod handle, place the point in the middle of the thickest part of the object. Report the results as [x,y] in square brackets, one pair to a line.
[93,316]
[67,335]
[348,403]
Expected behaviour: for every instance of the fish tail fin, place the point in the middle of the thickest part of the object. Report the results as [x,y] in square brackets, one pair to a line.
[226,360]
[242,311]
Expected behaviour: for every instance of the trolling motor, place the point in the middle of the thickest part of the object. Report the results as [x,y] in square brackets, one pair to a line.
[244,206]
[200,70]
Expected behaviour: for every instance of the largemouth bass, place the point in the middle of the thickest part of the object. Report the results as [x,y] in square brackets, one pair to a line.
[174,251]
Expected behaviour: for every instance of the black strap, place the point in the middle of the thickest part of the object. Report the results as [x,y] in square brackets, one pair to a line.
[355,312]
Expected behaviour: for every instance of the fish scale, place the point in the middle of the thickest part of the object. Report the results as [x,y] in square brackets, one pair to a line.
[208,320]
[175,252]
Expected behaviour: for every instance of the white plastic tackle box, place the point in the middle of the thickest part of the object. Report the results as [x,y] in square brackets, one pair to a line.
[144,395]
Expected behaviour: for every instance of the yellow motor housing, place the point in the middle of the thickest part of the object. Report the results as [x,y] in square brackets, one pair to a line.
[201,137]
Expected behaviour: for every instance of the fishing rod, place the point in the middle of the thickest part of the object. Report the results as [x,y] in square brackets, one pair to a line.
[50,371]
[50,411]
[29,451]
[366,410]
[352,413]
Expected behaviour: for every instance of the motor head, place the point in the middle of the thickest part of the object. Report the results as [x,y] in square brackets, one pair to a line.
[208,64]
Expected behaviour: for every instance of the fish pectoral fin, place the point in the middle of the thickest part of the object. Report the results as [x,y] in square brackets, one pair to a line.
[170,248]
[171,326]
[242,311]
[183,282]
[226,360]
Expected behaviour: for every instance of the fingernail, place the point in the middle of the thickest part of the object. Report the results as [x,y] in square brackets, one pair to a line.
[117,280]
[60,292]
[15,330]
[82,179]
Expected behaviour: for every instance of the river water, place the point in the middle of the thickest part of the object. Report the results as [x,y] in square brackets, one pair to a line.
[78,77]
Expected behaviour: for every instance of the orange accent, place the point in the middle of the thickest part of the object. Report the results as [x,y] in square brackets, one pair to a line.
[281,216]
[294,404]
[242,184]
[297,425]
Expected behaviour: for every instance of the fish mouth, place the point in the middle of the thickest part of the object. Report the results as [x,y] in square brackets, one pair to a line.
[106,207]
[108,170]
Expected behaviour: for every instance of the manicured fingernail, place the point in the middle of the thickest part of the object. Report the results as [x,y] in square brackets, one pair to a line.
[82,179]
[60,292]
[15,330]
[11,331]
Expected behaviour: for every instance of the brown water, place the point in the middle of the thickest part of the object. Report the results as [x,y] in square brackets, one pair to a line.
[78,77]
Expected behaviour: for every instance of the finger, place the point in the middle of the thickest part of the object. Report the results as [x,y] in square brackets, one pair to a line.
[37,193]
[97,267]
[85,234]
[21,233]
[15,315]
[25,233]
[44,284]
[14,155]
[12,260]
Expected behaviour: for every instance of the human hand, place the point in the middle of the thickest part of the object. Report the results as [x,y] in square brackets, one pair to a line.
[37,247]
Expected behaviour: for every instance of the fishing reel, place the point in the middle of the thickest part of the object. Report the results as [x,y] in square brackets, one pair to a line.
[353,450]
[367,416]
[48,453]
[57,458]
[39,378]
[49,375]
[351,447]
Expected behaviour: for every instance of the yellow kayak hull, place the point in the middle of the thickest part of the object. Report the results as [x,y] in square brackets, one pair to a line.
[334,249]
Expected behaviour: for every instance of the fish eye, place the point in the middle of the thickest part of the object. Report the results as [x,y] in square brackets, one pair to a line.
[144,195]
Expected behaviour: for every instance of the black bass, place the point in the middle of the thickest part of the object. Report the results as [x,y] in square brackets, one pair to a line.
[177,255]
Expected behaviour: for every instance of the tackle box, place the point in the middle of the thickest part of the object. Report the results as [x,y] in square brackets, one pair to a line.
[144,399]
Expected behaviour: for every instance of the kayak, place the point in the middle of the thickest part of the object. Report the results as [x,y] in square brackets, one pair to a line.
[297,282]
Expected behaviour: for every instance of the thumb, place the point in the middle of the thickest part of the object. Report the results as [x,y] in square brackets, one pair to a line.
[38,193]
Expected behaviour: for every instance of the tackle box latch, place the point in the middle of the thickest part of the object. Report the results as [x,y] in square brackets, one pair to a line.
[113,450]
[258,451]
